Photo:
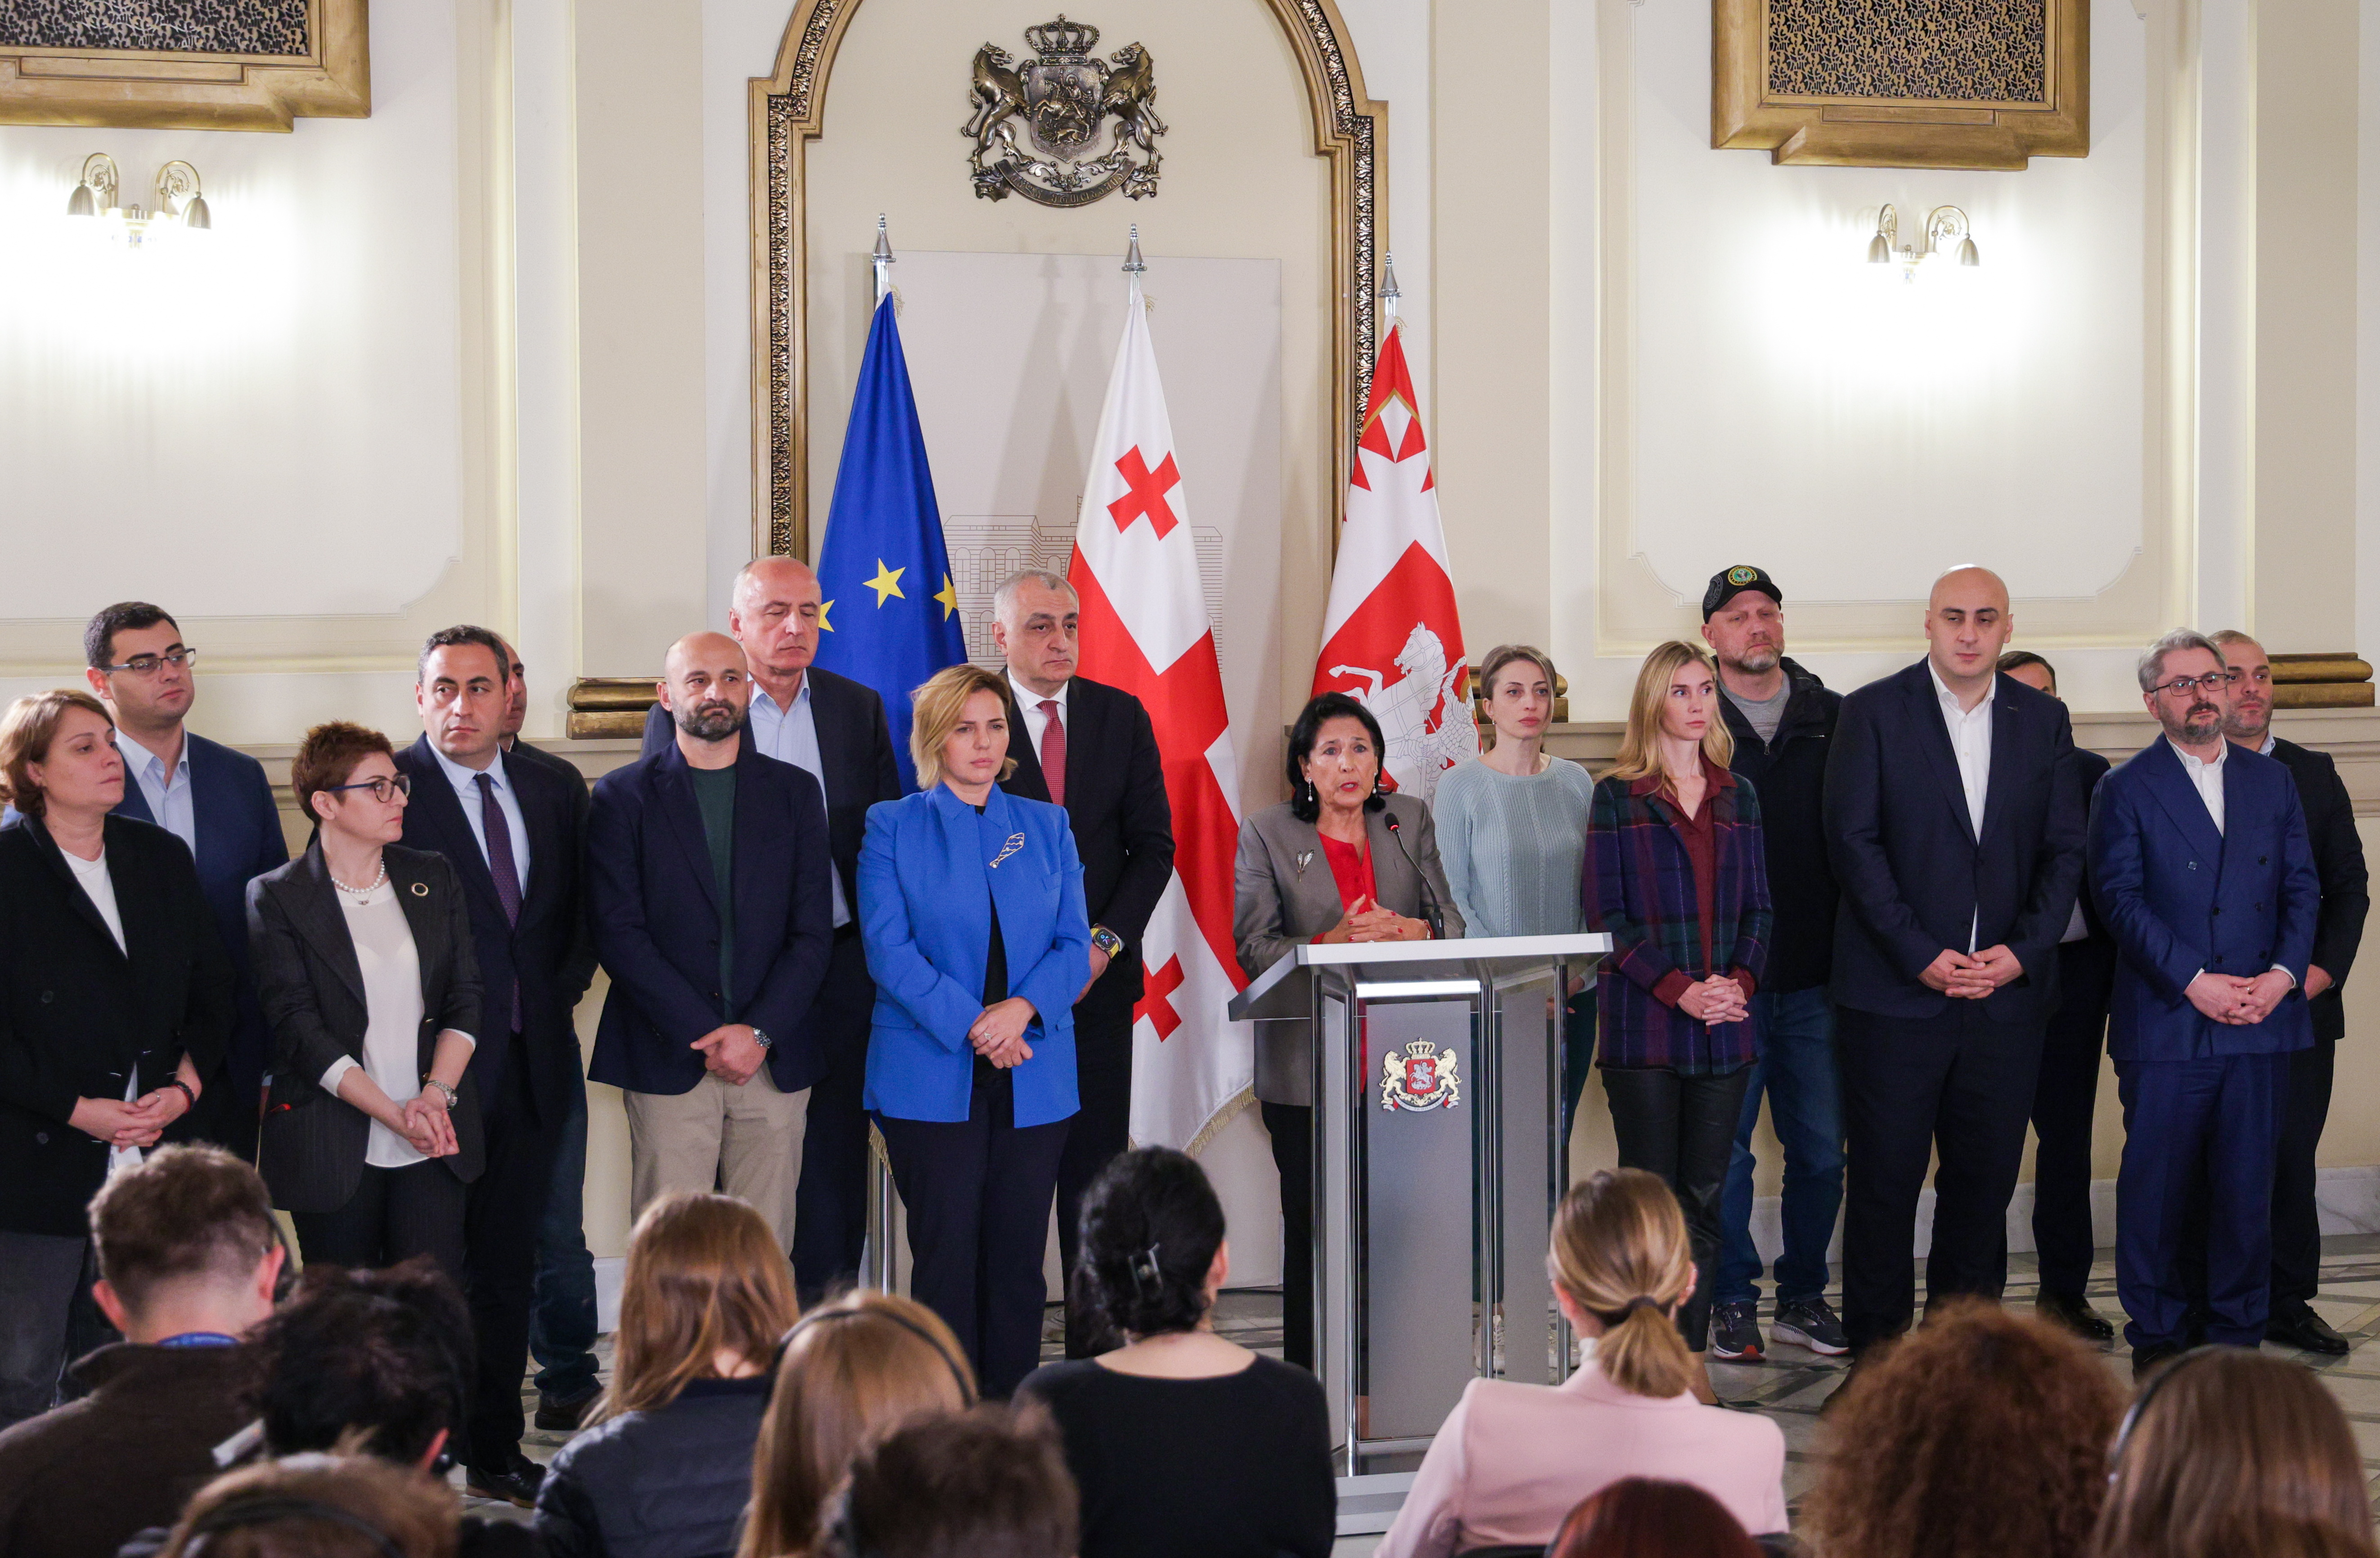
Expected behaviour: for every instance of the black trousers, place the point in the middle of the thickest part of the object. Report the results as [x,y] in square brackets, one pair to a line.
[394,1215]
[1290,1126]
[1962,1085]
[2063,1099]
[502,1214]
[2297,1233]
[978,1194]
[1101,1130]
[831,1201]
[1683,1129]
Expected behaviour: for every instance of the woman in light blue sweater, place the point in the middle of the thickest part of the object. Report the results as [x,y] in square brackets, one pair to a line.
[1512,833]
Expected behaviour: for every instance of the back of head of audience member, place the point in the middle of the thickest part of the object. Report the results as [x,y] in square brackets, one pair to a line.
[1643,1517]
[318,1506]
[1982,1433]
[186,1244]
[2229,1452]
[986,1483]
[32,729]
[706,1292]
[1153,1255]
[379,1355]
[1620,1265]
[855,1369]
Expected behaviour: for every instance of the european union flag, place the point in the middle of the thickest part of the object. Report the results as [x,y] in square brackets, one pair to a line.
[890,617]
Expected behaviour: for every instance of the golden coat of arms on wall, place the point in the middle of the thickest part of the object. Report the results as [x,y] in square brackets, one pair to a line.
[1064,127]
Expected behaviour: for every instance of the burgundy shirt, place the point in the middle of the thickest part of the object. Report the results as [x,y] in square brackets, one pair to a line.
[1699,834]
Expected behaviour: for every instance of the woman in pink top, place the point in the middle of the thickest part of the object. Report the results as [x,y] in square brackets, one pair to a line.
[1511,1460]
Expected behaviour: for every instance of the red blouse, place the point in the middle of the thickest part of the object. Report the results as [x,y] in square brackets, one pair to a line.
[1352,868]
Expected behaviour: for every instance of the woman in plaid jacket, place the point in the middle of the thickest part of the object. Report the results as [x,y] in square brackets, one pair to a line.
[1675,876]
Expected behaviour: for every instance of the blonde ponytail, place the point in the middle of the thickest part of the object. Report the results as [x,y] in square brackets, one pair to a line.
[1620,1251]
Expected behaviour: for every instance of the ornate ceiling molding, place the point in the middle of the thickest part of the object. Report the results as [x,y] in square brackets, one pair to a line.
[213,65]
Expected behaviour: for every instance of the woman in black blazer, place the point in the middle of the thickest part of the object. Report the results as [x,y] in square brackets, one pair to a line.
[364,964]
[115,998]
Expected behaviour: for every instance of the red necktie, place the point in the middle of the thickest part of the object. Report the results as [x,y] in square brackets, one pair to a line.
[1053,750]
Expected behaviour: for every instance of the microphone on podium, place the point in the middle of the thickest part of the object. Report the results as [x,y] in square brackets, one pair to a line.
[1431,913]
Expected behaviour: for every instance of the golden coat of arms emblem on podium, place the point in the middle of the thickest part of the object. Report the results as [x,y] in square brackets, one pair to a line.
[1418,1076]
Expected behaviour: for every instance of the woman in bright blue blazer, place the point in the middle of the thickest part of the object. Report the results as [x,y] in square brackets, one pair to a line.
[971,1057]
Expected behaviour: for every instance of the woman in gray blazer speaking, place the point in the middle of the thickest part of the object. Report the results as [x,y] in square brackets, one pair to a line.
[364,961]
[1343,860]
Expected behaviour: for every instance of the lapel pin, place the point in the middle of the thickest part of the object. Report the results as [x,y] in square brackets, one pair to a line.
[1305,859]
[1015,842]
[422,889]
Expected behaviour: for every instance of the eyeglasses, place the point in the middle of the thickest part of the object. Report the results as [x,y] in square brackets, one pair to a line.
[381,788]
[2183,686]
[148,665]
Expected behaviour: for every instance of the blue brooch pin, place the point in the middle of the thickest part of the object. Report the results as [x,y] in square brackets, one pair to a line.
[1015,842]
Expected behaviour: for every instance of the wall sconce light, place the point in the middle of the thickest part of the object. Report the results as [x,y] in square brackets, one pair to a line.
[179,204]
[1944,226]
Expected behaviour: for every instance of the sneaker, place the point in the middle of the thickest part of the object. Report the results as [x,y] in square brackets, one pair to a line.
[1735,1331]
[1811,1323]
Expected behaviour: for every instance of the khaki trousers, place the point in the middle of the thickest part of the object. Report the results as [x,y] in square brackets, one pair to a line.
[745,1141]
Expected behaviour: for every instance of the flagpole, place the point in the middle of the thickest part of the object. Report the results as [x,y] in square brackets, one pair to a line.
[1388,294]
[882,259]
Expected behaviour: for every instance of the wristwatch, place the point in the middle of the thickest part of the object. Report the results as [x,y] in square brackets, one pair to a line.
[451,1096]
[1107,941]
[761,1039]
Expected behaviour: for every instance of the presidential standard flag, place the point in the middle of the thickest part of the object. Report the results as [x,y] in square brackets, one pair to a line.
[1146,630]
[890,617]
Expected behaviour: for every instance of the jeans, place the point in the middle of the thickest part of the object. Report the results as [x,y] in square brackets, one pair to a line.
[1797,1070]
[562,1322]
[1680,1128]
[43,1278]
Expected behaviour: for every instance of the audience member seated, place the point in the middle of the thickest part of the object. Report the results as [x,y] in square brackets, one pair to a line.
[2229,1452]
[318,1506]
[188,1258]
[665,1468]
[1640,1517]
[1183,1444]
[1511,1459]
[851,1371]
[1980,1434]
[986,1483]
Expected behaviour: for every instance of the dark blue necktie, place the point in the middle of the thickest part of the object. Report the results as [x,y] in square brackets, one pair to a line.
[500,865]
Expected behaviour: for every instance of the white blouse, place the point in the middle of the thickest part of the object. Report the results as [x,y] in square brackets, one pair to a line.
[100,887]
[391,969]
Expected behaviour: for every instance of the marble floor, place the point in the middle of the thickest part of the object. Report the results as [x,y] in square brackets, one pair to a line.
[1792,1384]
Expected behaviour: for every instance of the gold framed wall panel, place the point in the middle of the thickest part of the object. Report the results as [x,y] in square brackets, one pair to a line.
[1780,84]
[267,64]
[1636,609]
[787,110]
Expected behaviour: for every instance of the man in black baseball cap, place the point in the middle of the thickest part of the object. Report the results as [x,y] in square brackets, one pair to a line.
[1783,720]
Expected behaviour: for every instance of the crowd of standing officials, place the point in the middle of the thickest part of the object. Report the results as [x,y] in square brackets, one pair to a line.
[1907,919]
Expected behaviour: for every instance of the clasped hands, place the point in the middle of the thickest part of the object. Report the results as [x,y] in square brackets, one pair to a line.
[2238,1002]
[1971,976]
[1366,921]
[732,1052]
[1715,1000]
[424,1121]
[139,1123]
[998,1034]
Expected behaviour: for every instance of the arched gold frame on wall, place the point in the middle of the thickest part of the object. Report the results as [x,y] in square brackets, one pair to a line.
[788,109]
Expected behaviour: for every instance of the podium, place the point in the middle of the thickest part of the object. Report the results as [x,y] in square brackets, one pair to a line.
[1437,1162]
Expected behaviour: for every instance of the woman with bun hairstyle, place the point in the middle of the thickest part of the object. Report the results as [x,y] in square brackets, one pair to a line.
[1183,1445]
[1511,1460]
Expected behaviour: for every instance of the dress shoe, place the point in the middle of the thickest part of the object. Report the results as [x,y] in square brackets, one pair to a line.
[516,1484]
[2307,1331]
[2148,1360]
[2075,1313]
[565,1414]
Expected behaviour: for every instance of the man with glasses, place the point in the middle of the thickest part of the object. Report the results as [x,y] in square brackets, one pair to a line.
[2201,867]
[218,802]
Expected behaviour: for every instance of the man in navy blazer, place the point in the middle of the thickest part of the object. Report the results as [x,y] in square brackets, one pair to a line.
[218,802]
[707,873]
[514,832]
[2201,867]
[834,730]
[1954,820]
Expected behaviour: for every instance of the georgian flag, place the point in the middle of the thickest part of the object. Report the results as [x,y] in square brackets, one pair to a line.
[1391,638]
[1145,629]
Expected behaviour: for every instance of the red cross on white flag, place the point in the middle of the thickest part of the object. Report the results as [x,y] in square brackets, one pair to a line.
[1391,638]
[1146,630]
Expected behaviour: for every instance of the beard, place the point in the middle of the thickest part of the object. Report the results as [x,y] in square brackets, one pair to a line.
[2248,725]
[2202,724]
[1757,660]
[714,721]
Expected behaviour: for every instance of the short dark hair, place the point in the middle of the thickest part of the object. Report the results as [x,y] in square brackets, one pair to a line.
[989,1482]
[463,632]
[182,1213]
[124,616]
[2016,659]
[327,756]
[1320,711]
[381,1352]
[1151,1224]
[322,1507]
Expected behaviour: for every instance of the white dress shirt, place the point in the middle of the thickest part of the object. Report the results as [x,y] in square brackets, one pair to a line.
[467,790]
[1028,705]
[790,735]
[168,792]
[100,887]
[1971,742]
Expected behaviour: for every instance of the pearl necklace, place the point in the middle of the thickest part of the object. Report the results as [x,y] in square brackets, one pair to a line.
[369,887]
